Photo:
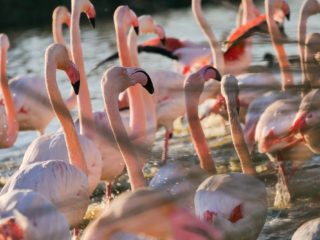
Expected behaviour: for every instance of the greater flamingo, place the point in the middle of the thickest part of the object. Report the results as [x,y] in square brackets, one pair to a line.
[213,202]
[28,215]
[32,110]
[8,123]
[273,134]
[65,184]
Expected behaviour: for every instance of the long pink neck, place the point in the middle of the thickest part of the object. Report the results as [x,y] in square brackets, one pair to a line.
[58,38]
[286,74]
[197,134]
[87,126]
[57,31]
[75,153]
[248,11]
[148,113]
[137,115]
[216,52]
[126,148]
[12,127]
[238,136]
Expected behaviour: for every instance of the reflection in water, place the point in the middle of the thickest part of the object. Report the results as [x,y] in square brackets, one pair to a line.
[26,56]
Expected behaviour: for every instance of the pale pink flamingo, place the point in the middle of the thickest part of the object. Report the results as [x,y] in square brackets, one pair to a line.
[259,105]
[233,212]
[273,133]
[306,122]
[28,215]
[65,184]
[188,53]
[32,111]
[8,121]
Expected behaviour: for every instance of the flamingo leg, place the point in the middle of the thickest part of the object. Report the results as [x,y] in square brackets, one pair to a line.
[109,196]
[167,137]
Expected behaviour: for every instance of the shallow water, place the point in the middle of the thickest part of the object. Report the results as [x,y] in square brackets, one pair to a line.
[26,55]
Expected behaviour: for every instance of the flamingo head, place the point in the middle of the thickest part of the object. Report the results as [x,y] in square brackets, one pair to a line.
[148,25]
[281,10]
[90,12]
[58,54]
[125,17]
[10,229]
[230,90]
[194,83]
[62,15]
[127,77]
[311,7]
[4,42]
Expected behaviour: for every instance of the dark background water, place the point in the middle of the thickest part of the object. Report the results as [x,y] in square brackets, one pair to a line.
[28,13]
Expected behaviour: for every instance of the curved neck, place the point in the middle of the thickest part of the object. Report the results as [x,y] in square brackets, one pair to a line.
[149,119]
[238,136]
[57,31]
[125,146]
[197,134]
[286,74]
[248,11]
[216,52]
[75,153]
[87,126]
[134,94]
[12,124]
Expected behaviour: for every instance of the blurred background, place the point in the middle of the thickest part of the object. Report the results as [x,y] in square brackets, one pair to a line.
[29,13]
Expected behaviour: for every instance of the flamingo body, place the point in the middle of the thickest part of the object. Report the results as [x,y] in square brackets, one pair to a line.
[33,212]
[61,183]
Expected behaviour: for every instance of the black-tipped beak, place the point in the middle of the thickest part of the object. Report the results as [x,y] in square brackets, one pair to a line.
[92,22]
[218,76]
[149,86]
[163,41]
[136,29]
[76,87]
[288,16]
[238,110]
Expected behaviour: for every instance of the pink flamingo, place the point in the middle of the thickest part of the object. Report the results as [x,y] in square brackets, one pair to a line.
[25,215]
[273,134]
[8,125]
[32,111]
[65,184]
[215,201]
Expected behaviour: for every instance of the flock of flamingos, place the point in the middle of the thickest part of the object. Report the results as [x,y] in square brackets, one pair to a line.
[49,194]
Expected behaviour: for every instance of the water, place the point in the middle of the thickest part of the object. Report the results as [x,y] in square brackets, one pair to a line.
[26,55]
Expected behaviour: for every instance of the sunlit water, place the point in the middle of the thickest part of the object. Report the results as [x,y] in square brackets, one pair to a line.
[26,55]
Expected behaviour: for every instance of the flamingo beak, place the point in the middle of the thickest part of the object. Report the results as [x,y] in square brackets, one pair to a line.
[91,14]
[212,73]
[149,86]
[299,124]
[92,22]
[136,29]
[163,41]
[288,16]
[74,77]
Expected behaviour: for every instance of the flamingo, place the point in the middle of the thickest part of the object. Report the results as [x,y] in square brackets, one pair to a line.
[32,112]
[9,124]
[25,215]
[215,198]
[273,134]
[188,53]
[65,184]
[259,105]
